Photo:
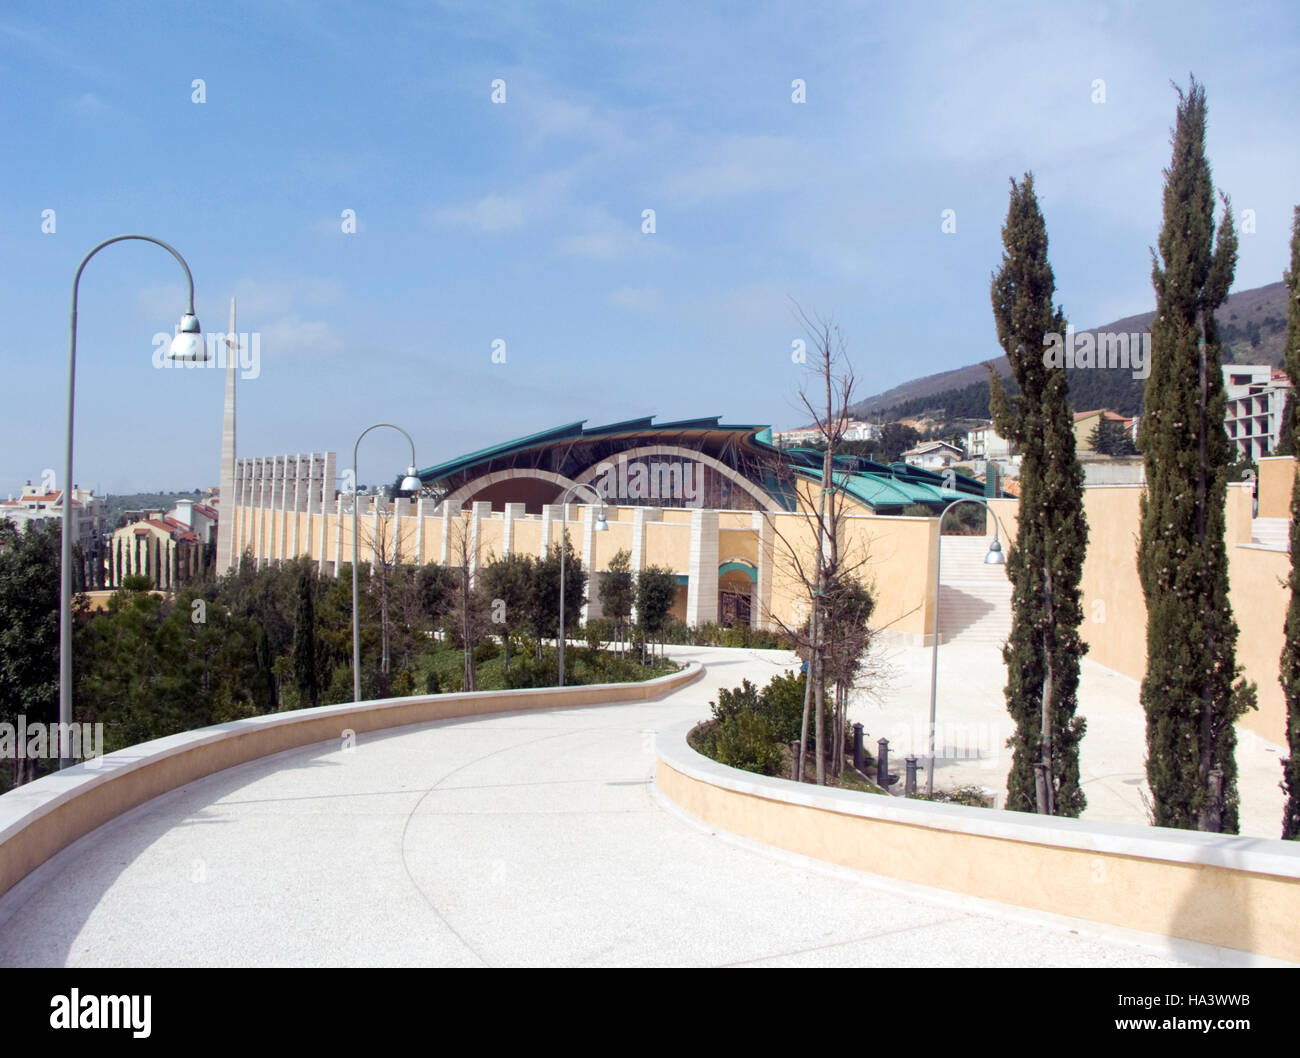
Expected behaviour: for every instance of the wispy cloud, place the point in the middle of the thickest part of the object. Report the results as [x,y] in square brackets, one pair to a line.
[637,299]
[491,213]
[89,105]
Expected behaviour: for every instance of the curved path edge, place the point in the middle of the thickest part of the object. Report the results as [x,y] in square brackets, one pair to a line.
[43,817]
[1226,891]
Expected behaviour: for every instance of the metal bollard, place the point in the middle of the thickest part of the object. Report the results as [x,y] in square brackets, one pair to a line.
[909,784]
[882,763]
[858,753]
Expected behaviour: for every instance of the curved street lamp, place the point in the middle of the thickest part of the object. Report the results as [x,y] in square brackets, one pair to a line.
[186,346]
[600,527]
[995,557]
[410,483]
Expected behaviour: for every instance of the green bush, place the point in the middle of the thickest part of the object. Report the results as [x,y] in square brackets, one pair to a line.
[782,703]
[748,741]
[731,703]
[597,631]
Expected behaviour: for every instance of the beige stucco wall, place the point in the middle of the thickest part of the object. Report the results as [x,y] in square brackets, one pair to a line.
[1276,474]
[1245,910]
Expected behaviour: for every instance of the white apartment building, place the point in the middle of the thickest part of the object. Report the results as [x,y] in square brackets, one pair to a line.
[1257,394]
[36,504]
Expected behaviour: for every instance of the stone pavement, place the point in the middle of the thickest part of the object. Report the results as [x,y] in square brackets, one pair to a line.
[521,839]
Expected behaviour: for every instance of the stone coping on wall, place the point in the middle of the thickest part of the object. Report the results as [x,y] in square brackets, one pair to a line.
[1270,856]
[46,815]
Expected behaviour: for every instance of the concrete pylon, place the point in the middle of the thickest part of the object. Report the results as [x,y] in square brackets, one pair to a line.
[226,509]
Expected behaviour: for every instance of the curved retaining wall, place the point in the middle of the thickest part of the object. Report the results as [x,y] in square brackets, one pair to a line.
[1231,892]
[44,816]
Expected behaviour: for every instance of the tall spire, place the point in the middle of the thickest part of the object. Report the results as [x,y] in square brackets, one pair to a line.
[226,521]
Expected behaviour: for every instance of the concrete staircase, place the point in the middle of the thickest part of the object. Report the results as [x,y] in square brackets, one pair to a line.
[1271,532]
[974,598]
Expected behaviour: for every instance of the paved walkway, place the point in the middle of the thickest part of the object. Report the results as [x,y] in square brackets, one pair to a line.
[523,839]
[973,726]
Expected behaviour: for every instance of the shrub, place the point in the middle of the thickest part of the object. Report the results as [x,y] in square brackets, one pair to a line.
[597,631]
[748,741]
[782,703]
[731,703]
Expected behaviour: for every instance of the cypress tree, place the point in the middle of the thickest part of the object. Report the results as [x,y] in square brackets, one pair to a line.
[1188,693]
[1046,562]
[305,650]
[1291,651]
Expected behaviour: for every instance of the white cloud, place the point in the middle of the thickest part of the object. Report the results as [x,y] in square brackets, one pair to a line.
[637,299]
[736,165]
[89,105]
[490,213]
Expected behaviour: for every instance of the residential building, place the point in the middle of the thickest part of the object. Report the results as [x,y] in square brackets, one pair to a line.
[37,504]
[1085,422]
[933,455]
[1256,395]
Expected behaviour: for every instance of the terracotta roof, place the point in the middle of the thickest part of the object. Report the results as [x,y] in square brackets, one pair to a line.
[1111,415]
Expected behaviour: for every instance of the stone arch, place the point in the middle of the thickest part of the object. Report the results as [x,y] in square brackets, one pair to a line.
[460,495]
[764,501]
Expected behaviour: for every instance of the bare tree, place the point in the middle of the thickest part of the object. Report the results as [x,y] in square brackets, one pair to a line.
[830,572]
[469,617]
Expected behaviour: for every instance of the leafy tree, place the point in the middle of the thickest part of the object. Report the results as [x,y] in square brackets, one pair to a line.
[509,581]
[1188,693]
[29,629]
[1291,651]
[1109,438]
[153,670]
[544,599]
[618,590]
[656,590]
[895,439]
[1046,562]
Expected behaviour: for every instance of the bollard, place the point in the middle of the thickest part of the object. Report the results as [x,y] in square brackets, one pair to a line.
[882,763]
[794,760]
[857,747]
[909,784]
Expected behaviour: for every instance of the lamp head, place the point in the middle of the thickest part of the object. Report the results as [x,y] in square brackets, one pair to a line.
[188,345]
[600,525]
[995,557]
[412,482]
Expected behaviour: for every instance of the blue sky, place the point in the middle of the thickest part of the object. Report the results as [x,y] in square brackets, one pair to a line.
[522,221]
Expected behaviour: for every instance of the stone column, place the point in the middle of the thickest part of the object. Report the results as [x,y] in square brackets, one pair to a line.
[419,531]
[512,512]
[702,588]
[449,512]
[761,601]
[478,511]
[641,516]
[591,608]
[551,513]
[338,530]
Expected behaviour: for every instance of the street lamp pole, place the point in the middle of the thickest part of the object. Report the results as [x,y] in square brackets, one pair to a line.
[995,557]
[187,345]
[410,483]
[564,539]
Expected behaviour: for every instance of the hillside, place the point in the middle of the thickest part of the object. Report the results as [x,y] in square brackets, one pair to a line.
[1252,325]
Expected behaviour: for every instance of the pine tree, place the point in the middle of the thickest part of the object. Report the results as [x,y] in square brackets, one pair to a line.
[1046,562]
[1291,651]
[1188,694]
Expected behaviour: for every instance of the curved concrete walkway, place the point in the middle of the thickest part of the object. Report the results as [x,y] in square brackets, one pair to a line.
[521,839]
